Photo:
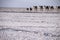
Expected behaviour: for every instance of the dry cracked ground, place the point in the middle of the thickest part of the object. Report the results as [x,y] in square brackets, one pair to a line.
[29,26]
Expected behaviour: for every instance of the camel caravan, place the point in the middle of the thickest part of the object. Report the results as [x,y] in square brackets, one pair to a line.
[34,9]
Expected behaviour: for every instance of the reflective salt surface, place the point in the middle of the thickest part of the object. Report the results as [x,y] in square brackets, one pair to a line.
[29,26]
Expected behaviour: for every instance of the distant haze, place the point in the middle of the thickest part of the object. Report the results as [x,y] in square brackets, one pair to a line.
[28,3]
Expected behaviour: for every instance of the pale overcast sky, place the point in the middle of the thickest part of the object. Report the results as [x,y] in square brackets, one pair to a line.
[27,3]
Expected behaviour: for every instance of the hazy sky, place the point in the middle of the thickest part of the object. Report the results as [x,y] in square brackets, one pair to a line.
[27,3]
